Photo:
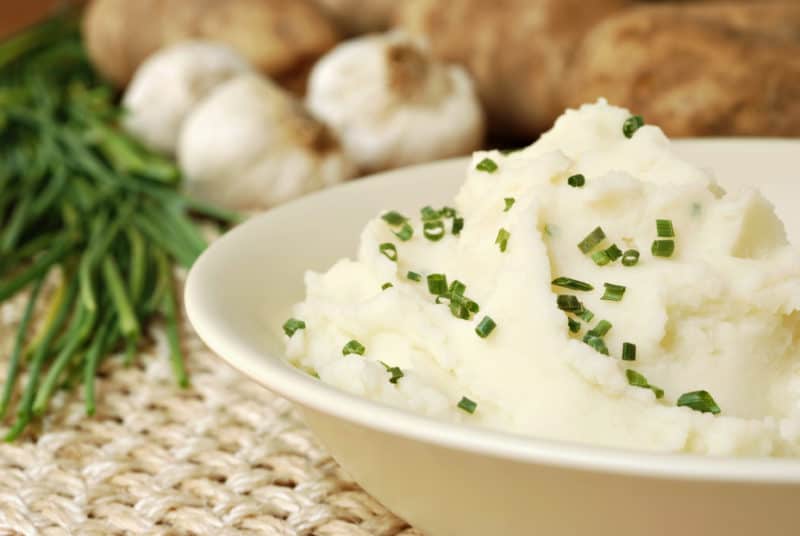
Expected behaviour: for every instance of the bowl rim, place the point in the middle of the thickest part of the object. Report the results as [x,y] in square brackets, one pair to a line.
[272,372]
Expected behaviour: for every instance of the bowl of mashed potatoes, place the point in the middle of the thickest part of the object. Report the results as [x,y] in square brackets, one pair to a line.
[598,333]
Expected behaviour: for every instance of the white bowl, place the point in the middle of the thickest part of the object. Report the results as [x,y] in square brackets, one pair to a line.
[459,480]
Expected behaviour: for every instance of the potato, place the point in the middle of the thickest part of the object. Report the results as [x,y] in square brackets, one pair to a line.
[276,36]
[356,17]
[695,70]
[516,50]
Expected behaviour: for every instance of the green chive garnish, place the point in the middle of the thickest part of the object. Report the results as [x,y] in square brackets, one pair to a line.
[600,329]
[631,125]
[577,180]
[569,303]
[433,230]
[292,325]
[458,224]
[502,239]
[386,285]
[414,276]
[574,325]
[597,343]
[586,315]
[428,213]
[396,372]
[509,201]
[388,250]
[613,292]
[699,401]
[638,380]
[353,347]
[457,288]
[613,252]
[628,351]
[664,229]
[467,405]
[448,212]
[485,327]
[405,233]
[487,164]
[437,284]
[663,248]
[630,257]
[574,284]
[601,258]
[592,240]
[394,218]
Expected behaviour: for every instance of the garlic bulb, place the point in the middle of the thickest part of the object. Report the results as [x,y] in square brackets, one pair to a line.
[391,104]
[169,83]
[251,145]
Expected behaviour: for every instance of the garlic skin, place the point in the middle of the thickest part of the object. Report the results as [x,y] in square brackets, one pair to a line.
[392,105]
[167,85]
[250,145]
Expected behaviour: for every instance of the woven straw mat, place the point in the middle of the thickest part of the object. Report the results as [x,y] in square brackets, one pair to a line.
[223,457]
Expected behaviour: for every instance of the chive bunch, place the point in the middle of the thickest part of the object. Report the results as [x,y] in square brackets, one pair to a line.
[81,199]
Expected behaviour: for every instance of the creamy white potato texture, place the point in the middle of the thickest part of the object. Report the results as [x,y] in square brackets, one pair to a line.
[718,315]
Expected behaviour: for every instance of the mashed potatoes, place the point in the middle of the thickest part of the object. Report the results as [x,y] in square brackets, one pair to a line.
[711,311]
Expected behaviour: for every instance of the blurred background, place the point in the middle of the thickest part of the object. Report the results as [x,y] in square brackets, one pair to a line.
[358,86]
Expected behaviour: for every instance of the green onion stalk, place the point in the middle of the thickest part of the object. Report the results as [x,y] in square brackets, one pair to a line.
[84,205]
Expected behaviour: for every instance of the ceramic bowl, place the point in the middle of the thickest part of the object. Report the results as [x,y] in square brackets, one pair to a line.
[460,480]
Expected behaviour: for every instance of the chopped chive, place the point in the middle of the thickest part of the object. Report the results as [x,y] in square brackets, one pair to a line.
[586,315]
[292,325]
[631,125]
[502,239]
[414,276]
[663,248]
[433,230]
[485,327]
[638,380]
[630,257]
[628,351]
[574,284]
[396,372]
[429,214]
[577,180]
[405,233]
[509,201]
[613,252]
[388,250]
[600,329]
[458,224]
[592,239]
[448,212]
[386,285]
[613,292]
[597,343]
[467,405]
[394,218]
[353,347]
[664,229]
[487,164]
[569,303]
[457,288]
[601,258]
[437,284]
[574,325]
[699,401]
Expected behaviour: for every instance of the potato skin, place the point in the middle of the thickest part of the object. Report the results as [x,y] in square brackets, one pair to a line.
[516,50]
[697,70]
[274,35]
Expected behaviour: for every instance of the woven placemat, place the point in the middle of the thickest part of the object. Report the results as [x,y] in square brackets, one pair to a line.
[223,457]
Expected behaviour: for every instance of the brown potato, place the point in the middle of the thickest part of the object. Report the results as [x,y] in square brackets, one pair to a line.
[697,70]
[276,36]
[516,50]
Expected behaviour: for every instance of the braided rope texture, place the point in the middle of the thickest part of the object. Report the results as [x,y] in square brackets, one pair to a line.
[224,457]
